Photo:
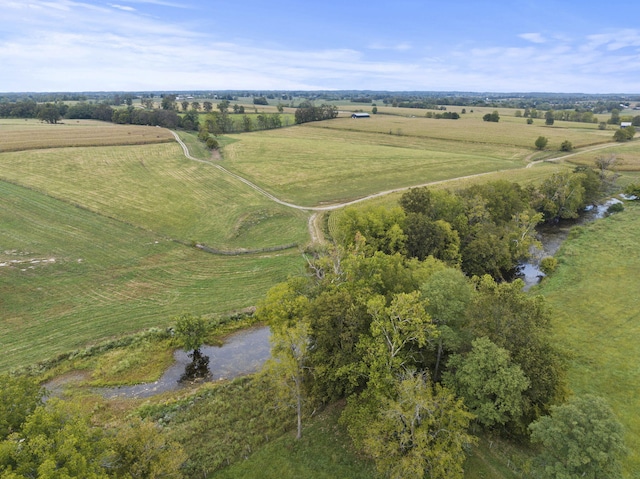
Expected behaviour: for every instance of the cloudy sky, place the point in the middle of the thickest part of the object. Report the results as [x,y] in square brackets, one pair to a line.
[463,45]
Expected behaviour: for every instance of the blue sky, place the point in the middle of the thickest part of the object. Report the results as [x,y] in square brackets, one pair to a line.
[499,46]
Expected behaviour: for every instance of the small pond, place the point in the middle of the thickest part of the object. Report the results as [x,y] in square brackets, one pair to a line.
[552,236]
[242,353]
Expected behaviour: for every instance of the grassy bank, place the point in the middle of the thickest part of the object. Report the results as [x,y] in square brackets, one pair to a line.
[596,316]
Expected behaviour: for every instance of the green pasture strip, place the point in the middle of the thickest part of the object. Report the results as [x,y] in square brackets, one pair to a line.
[311,166]
[156,188]
[595,299]
[472,129]
[70,277]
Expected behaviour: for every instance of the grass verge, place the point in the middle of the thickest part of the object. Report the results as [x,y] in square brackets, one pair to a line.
[596,320]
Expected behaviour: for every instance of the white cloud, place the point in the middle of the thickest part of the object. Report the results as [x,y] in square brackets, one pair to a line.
[533,37]
[67,45]
[122,7]
[400,47]
[162,3]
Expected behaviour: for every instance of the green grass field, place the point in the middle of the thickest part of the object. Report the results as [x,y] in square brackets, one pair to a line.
[595,299]
[95,242]
[157,189]
[71,277]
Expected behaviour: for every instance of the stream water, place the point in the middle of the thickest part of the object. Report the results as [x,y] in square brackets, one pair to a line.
[552,236]
[243,353]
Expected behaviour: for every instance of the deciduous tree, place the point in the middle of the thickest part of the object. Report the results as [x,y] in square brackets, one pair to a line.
[490,383]
[420,431]
[581,438]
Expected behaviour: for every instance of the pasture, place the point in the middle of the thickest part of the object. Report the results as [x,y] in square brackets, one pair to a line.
[98,225]
[69,277]
[344,159]
[119,220]
[596,316]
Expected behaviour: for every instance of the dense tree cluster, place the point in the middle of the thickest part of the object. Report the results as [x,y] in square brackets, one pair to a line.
[308,112]
[447,115]
[485,229]
[375,328]
[494,117]
[401,318]
[57,439]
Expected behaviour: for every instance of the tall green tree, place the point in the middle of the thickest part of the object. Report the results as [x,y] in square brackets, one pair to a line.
[490,383]
[520,323]
[287,366]
[19,397]
[561,196]
[56,441]
[420,431]
[581,439]
[541,142]
[401,334]
[448,294]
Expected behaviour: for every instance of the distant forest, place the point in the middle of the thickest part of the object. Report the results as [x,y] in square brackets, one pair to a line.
[598,103]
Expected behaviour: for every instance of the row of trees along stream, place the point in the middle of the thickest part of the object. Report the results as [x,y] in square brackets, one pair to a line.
[409,318]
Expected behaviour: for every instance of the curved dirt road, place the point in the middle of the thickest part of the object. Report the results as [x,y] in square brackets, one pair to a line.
[314,229]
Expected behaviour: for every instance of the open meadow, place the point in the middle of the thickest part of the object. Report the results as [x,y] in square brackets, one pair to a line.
[344,159]
[596,317]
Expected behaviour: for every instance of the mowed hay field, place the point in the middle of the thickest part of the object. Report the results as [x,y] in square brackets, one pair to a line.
[156,188]
[595,301]
[69,277]
[344,159]
[96,242]
[17,135]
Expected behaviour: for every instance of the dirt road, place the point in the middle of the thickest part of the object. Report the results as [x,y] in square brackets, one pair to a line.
[315,231]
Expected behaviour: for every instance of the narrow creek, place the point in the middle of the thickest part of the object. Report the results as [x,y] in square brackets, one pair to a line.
[552,236]
[243,353]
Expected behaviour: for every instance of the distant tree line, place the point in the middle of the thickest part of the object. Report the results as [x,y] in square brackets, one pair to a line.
[447,115]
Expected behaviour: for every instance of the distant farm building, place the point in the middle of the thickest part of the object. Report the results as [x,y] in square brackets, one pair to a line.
[625,124]
[360,115]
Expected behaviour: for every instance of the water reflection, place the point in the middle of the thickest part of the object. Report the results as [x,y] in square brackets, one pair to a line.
[243,353]
[552,236]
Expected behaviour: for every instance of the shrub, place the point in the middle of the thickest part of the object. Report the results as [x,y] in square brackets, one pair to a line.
[548,265]
[624,134]
[495,117]
[566,146]
[212,143]
[541,142]
[615,208]
[529,121]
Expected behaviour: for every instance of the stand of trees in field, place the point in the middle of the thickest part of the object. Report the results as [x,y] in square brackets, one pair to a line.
[408,318]
[307,112]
